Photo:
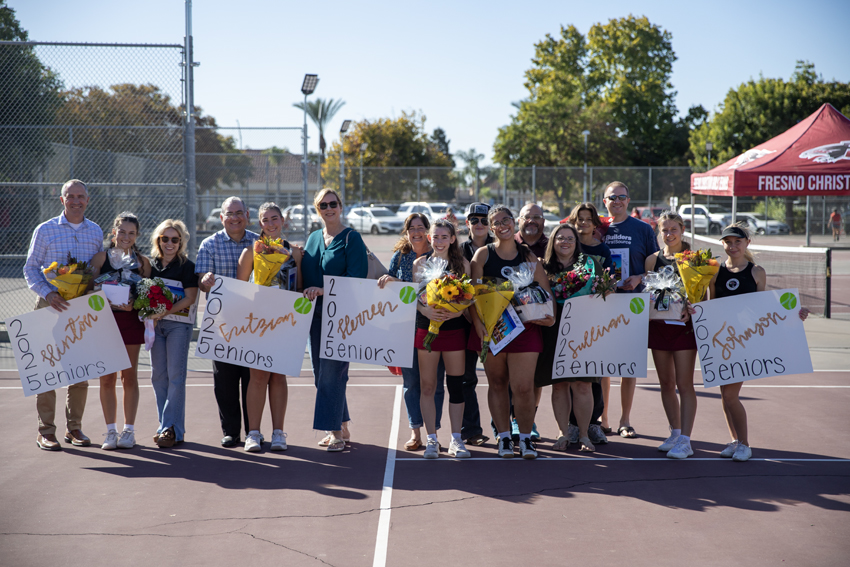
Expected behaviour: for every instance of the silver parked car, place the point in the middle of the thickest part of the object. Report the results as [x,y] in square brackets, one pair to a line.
[377,220]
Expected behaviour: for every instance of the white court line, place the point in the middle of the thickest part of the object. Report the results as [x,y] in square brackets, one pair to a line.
[614,459]
[382,541]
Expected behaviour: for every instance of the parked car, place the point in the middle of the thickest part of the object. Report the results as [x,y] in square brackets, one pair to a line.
[213,222]
[550,221]
[296,217]
[649,215]
[704,221]
[433,211]
[763,226]
[377,220]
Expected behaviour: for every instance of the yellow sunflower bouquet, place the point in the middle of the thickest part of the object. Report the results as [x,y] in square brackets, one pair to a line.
[696,268]
[446,290]
[71,279]
[269,256]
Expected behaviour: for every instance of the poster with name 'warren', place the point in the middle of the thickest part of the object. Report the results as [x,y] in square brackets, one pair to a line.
[58,348]
[599,337]
[751,336]
[364,323]
[255,326]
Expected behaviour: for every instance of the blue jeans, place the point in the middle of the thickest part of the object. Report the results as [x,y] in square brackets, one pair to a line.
[169,359]
[330,376]
[412,391]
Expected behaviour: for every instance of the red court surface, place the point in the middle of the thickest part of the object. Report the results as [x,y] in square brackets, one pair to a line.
[376,504]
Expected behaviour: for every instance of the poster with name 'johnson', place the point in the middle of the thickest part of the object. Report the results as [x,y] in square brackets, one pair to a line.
[364,323]
[57,348]
[751,336]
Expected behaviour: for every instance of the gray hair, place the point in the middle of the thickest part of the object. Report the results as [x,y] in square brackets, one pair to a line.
[70,183]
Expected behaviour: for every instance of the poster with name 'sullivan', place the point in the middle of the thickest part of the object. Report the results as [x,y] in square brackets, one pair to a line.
[603,337]
[255,326]
[58,348]
[751,336]
[364,323]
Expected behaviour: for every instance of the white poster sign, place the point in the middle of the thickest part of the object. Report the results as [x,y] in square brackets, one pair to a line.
[751,336]
[364,323]
[255,326]
[54,349]
[603,337]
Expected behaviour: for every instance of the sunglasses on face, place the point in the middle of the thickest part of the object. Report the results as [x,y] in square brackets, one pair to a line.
[165,239]
[324,206]
[613,198]
[473,221]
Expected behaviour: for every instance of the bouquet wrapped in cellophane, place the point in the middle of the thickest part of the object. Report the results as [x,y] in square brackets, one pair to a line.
[531,302]
[71,279]
[443,289]
[666,294]
[269,256]
[492,297]
[152,298]
[696,268]
[576,281]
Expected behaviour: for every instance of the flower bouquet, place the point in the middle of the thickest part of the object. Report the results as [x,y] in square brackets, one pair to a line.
[576,281]
[666,294]
[269,256]
[530,300]
[446,290]
[71,279]
[604,284]
[153,298]
[492,297]
[697,269]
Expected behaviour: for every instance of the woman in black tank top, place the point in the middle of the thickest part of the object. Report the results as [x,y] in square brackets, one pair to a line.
[738,275]
[514,366]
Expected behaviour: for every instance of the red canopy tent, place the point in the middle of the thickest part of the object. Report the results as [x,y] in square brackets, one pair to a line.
[811,158]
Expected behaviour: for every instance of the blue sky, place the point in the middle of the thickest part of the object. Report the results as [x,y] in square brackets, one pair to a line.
[460,63]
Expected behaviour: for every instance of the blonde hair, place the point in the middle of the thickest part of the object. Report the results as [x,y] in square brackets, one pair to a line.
[671,215]
[180,227]
[748,254]
[324,193]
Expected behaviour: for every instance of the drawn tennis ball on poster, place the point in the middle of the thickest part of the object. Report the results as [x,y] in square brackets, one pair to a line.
[788,301]
[96,302]
[636,305]
[407,295]
[303,305]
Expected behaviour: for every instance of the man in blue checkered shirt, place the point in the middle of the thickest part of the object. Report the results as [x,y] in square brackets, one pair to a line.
[71,232]
[219,255]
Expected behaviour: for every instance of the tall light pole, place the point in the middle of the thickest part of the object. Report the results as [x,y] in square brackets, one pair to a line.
[586,133]
[342,131]
[307,88]
[363,147]
[708,147]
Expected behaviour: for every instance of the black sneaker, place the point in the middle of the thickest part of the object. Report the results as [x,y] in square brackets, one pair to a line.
[506,448]
[527,449]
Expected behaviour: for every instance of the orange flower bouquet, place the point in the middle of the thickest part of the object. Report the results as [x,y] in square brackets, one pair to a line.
[696,268]
[71,279]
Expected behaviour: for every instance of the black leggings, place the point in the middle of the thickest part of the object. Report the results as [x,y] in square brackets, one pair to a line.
[454,384]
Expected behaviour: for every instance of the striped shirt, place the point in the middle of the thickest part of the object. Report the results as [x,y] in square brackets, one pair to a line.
[219,254]
[52,241]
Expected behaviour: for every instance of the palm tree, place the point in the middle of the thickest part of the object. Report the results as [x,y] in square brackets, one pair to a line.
[321,112]
[471,158]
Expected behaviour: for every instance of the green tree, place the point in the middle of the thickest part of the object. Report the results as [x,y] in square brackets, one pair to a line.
[471,172]
[30,96]
[392,143]
[439,139]
[321,112]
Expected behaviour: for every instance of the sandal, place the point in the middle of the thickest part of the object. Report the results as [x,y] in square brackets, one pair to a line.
[412,445]
[607,430]
[627,432]
[586,445]
[477,440]
[561,444]
[327,439]
[336,444]
[166,439]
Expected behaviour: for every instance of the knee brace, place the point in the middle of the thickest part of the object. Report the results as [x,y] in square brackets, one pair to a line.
[454,384]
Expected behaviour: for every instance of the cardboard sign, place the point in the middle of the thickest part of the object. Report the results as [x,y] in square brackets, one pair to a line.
[751,336]
[255,326]
[599,337]
[54,349]
[364,323]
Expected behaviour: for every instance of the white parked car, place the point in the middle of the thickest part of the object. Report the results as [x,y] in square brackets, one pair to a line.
[705,221]
[296,218]
[762,226]
[377,220]
[433,211]
[550,221]
[213,221]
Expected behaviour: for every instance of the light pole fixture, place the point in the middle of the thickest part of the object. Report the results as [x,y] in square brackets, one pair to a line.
[343,129]
[307,88]
[363,147]
[708,147]
[585,133]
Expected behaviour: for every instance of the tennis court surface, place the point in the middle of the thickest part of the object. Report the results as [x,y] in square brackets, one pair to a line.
[375,504]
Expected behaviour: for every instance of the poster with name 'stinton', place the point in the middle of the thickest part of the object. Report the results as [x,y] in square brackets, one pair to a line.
[603,337]
[751,336]
[58,348]
[364,323]
[255,326]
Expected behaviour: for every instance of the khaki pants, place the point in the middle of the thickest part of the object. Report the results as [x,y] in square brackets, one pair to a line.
[75,402]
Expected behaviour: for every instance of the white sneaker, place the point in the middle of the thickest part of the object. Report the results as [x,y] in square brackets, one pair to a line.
[681,450]
[253,443]
[506,448]
[573,433]
[278,441]
[742,453]
[729,450]
[432,449]
[111,441]
[668,444]
[597,436]
[527,449]
[127,440]
[458,450]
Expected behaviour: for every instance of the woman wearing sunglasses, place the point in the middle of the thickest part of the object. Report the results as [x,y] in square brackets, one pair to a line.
[515,364]
[334,251]
[170,352]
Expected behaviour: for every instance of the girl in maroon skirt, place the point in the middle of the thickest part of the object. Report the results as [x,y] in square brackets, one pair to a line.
[450,344]
[674,348]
